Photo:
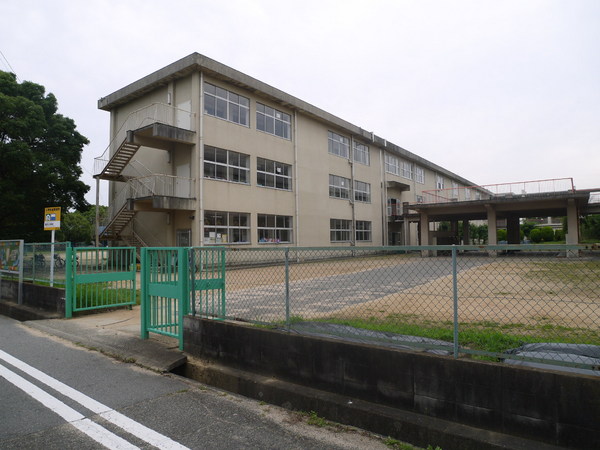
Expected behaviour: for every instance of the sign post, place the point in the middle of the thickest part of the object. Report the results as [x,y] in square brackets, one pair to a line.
[52,223]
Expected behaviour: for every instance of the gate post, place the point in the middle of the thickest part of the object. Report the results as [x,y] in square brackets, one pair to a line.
[69,257]
[144,301]
[183,278]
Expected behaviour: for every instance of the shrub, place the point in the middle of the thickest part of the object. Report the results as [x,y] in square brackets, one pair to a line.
[547,234]
[502,234]
[535,235]
[559,235]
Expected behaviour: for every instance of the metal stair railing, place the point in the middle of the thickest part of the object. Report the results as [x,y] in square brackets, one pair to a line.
[153,113]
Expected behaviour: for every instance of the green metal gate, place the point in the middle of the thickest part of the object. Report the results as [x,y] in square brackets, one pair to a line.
[99,277]
[177,281]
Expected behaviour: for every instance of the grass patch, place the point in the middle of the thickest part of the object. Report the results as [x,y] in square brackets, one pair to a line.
[99,295]
[484,335]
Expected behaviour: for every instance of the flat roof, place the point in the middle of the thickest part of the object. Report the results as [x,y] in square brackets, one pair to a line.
[526,205]
[196,62]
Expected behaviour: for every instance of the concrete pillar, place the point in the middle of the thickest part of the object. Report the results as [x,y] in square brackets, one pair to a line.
[406,224]
[424,231]
[491,220]
[572,223]
[424,228]
[513,230]
[466,233]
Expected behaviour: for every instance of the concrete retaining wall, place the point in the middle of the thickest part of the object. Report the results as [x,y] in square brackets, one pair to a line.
[46,298]
[557,408]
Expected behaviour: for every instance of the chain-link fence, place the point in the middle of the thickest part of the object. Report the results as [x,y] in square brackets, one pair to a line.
[42,265]
[533,303]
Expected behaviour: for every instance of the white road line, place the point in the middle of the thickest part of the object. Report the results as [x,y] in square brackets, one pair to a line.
[129,425]
[92,429]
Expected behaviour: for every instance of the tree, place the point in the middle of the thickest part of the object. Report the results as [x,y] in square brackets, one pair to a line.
[527,226]
[590,227]
[40,152]
[80,227]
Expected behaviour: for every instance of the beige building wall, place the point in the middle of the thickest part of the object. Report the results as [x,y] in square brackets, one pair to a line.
[308,202]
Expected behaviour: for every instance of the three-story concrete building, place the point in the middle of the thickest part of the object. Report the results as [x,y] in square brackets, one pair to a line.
[202,154]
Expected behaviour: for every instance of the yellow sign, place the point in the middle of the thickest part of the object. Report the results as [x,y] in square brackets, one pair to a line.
[52,218]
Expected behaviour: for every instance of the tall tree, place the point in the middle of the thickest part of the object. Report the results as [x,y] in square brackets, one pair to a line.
[40,152]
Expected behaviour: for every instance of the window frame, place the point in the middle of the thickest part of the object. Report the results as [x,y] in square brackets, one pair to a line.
[267,174]
[364,193]
[230,168]
[335,146]
[276,229]
[343,231]
[361,149]
[363,234]
[227,101]
[337,190]
[262,115]
[406,169]
[392,162]
[228,223]
[419,175]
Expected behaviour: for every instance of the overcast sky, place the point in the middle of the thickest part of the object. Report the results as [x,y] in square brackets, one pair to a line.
[495,91]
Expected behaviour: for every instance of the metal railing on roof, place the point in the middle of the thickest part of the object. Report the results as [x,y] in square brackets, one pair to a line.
[500,190]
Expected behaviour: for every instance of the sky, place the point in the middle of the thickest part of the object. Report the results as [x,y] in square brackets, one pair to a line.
[494,91]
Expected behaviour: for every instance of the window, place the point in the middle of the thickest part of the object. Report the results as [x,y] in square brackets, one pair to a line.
[419,175]
[439,182]
[226,165]
[273,174]
[362,191]
[226,227]
[339,230]
[339,187]
[226,105]
[363,230]
[454,189]
[273,121]
[467,194]
[338,145]
[274,229]
[361,153]
[394,207]
[392,165]
[420,199]
[407,170]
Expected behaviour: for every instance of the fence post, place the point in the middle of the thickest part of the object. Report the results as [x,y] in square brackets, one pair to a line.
[287,288]
[144,301]
[455,300]
[68,282]
[222,274]
[184,292]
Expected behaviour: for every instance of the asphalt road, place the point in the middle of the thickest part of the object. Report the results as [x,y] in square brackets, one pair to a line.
[55,395]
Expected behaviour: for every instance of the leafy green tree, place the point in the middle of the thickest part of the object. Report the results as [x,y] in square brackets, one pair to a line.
[590,227]
[80,227]
[40,153]
[482,233]
[527,226]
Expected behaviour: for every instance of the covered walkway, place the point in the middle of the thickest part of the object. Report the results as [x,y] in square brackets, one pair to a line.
[509,201]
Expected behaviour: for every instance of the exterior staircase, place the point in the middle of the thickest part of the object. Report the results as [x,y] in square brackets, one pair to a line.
[114,168]
[117,223]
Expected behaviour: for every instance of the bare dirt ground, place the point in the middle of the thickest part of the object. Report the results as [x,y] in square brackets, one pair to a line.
[501,290]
